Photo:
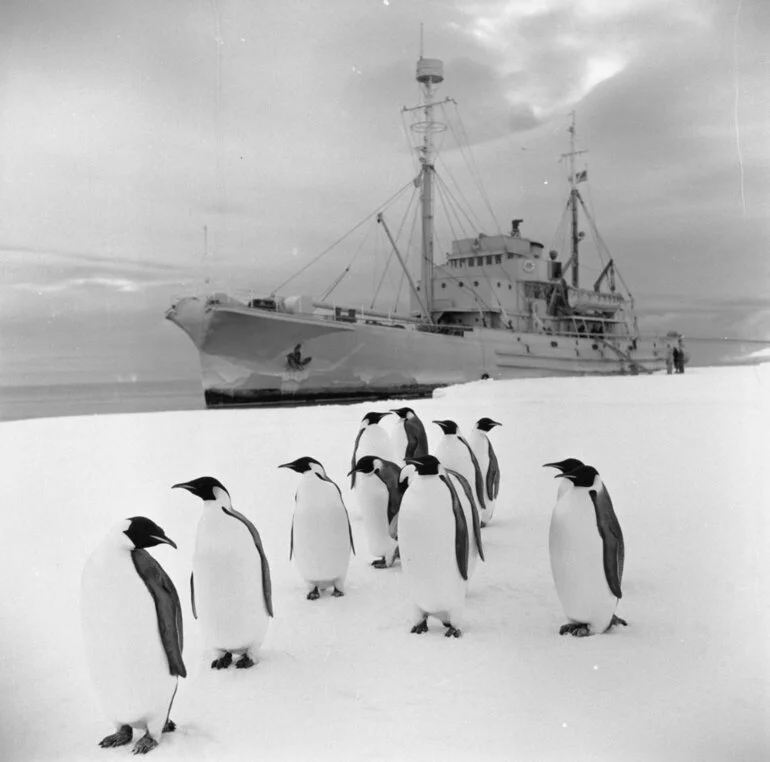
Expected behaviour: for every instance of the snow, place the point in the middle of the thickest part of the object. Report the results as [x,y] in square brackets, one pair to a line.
[683,457]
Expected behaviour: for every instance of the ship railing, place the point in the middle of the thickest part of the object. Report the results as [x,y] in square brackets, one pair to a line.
[576,327]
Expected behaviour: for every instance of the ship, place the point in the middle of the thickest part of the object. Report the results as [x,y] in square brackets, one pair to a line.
[498,307]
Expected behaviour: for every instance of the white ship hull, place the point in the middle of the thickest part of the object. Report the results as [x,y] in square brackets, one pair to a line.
[253,355]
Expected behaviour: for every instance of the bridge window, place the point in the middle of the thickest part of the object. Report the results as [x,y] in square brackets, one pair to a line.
[443,285]
[489,259]
[498,259]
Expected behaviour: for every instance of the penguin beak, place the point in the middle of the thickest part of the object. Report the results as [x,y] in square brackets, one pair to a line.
[184,485]
[292,466]
[550,465]
[352,471]
[167,540]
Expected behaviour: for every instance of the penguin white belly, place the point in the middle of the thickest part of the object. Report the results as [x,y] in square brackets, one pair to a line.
[375,441]
[577,563]
[480,446]
[427,548]
[399,441]
[321,538]
[372,497]
[125,655]
[229,595]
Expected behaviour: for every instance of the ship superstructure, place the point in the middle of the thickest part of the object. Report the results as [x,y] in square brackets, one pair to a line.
[499,306]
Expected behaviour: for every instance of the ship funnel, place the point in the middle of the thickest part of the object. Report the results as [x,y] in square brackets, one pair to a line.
[430,71]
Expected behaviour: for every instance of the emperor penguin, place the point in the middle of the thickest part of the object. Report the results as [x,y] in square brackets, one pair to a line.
[132,630]
[434,544]
[455,453]
[230,585]
[372,439]
[587,552]
[408,436]
[488,464]
[379,496]
[321,536]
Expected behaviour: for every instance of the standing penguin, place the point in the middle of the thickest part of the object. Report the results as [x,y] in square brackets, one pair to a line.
[433,542]
[372,439]
[230,584]
[488,465]
[456,454]
[132,629]
[379,497]
[586,549]
[408,436]
[570,464]
[321,537]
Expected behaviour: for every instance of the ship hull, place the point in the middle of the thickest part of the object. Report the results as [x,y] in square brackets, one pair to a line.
[255,356]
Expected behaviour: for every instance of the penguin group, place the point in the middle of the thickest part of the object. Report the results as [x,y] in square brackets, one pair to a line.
[424,511]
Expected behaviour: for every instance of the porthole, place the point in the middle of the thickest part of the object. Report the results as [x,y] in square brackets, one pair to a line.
[460,284]
[475,283]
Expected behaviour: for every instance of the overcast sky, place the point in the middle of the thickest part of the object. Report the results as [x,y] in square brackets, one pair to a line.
[127,127]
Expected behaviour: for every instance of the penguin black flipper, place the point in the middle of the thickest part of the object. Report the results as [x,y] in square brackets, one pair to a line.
[461,530]
[612,539]
[355,459]
[192,594]
[493,475]
[347,515]
[618,532]
[477,473]
[267,586]
[474,510]
[389,474]
[167,608]
[291,540]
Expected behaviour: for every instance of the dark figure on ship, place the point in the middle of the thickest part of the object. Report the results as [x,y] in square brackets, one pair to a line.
[295,360]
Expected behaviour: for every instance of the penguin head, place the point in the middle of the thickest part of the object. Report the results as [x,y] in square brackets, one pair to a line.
[486,424]
[204,487]
[368,464]
[582,476]
[144,533]
[305,465]
[569,464]
[448,427]
[371,418]
[405,413]
[425,465]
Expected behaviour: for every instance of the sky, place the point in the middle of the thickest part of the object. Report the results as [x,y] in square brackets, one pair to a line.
[125,129]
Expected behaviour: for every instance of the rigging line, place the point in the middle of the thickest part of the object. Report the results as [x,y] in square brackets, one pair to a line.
[392,254]
[342,238]
[476,222]
[406,257]
[480,182]
[448,211]
[340,277]
[736,80]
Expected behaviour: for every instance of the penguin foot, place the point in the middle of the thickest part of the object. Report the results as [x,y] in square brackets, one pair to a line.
[313,595]
[169,727]
[144,744]
[482,524]
[379,563]
[576,629]
[122,737]
[452,632]
[245,662]
[617,620]
[223,662]
[337,593]
[420,627]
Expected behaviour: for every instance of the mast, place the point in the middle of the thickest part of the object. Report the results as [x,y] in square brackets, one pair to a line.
[430,73]
[573,204]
